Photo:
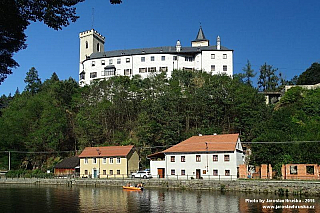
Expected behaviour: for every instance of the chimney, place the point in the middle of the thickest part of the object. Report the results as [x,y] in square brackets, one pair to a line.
[218,43]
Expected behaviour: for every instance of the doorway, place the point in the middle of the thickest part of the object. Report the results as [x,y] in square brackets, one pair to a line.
[198,173]
[161,172]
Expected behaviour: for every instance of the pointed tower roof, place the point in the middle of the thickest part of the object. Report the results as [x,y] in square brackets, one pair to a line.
[200,36]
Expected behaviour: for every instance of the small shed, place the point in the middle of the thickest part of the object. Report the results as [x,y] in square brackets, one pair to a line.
[67,167]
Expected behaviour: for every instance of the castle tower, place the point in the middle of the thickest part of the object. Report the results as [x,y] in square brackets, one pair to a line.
[201,40]
[90,42]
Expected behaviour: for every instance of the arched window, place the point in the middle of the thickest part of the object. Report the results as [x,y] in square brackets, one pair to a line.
[98,47]
[87,45]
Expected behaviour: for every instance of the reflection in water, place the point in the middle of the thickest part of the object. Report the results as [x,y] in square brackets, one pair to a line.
[31,198]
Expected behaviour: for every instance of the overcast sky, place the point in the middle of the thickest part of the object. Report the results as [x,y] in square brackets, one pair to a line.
[285,34]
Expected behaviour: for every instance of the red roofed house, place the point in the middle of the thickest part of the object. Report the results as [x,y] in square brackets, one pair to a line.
[108,161]
[200,157]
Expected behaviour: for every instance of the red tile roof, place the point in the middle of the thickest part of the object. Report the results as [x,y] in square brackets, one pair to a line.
[226,142]
[106,151]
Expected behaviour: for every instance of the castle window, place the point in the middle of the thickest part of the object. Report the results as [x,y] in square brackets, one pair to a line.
[93,63]
[163,69]
[110,61]
[163,58]
[143,59]
[127,60]
[224,56]
[213,68]
[152,58]
[188,59]
[119,61]
[82,75]
[213,56]
[225,68]
[93,74]
[87,45]
[103,62]
[98,47]
[109,70]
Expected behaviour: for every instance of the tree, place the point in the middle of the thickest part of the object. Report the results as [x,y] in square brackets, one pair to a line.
[310,76]
[33,81]
[16,15]
[248,73]
[268,80]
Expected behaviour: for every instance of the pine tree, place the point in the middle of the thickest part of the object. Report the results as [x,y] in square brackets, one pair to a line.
[33,81]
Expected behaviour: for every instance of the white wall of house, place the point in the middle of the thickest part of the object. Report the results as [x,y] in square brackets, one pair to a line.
[206,164]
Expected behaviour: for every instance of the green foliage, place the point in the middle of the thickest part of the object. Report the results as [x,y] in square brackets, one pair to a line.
[33,81]
[310,76]
[268,80]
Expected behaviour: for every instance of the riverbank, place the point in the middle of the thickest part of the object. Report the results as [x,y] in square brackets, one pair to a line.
[250,186]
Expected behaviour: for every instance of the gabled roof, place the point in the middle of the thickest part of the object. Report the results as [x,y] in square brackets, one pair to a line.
[68,163]
[200,36]
[226,142]
[106,151]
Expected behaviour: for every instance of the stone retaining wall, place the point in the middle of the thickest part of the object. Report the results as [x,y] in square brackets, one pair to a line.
[256,186]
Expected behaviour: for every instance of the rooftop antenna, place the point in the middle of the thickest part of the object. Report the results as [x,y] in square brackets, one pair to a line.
[92,18]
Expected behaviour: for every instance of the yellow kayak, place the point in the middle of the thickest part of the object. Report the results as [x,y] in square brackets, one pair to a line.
[132,188]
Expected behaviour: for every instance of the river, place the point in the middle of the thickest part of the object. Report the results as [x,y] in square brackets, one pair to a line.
[39,198]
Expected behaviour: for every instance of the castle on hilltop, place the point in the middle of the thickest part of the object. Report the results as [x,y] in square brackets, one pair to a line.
[95,63]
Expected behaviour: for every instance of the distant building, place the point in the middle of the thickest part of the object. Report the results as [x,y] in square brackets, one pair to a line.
[96,63]
[68,167]
[200,157]
[108,161]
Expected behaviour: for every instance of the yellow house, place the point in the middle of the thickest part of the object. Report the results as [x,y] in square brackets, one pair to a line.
[108,161]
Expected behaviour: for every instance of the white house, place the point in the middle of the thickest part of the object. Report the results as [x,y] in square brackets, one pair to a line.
[95,63]
[200,157]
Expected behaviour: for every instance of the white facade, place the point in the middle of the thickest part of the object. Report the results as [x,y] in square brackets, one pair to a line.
[97,64]
[214,165]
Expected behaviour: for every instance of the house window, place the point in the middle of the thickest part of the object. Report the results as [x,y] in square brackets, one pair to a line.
[226,157]
[93,63]
[151,69]
[118,160]
[111,172]
[104,172]
[224,56]
[215,157]
[127,72]
[163,69]
[310,170]
[204,172]
[293,170]
[227,173]
[93,74]
[183,158]
[104,160]
[142,70]
[173,172]
[152,58]
[213,56]
[175,58]
[94,160]
[173,159]
[110,61]
[198,158]
[103,62]
[143,59]
[188,59]
[119,61]
[163,58]
[87,45]
[215,172]
[127,60]
[183,172]
[111,160]
[118,172]
[86,160]
[213,68]
[225,68]
[86,172]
